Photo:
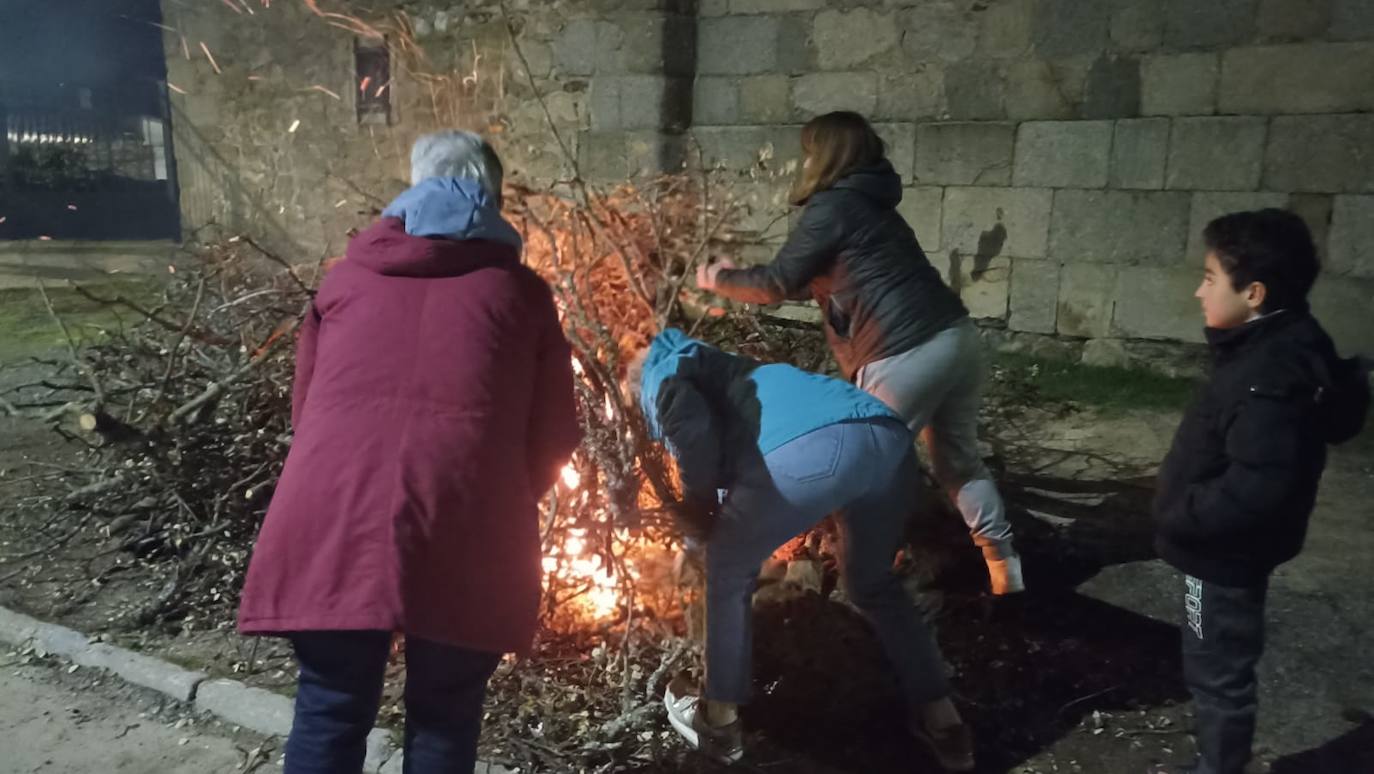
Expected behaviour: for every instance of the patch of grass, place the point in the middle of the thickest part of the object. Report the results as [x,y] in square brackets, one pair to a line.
[1029,378]
[26,328]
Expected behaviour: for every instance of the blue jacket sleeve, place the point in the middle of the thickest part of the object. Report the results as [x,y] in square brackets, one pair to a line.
[692,432]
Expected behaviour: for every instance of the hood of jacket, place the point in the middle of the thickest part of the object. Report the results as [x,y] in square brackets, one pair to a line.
[453,208]
[665,354]
[878,181]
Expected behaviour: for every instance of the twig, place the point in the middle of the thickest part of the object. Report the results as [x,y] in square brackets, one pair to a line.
[280,261]
[1082,699]
[176,347]
[215,389]
[71,346]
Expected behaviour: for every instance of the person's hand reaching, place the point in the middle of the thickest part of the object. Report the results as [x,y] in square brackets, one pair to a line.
[707,273]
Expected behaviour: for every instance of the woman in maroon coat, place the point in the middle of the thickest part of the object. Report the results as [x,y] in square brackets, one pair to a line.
[433,407]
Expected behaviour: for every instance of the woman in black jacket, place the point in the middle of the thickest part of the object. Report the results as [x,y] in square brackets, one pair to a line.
[894,326]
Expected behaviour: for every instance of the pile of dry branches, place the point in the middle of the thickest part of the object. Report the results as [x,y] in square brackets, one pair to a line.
[183,419]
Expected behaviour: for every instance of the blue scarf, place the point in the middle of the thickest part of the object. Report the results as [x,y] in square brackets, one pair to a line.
[452,208]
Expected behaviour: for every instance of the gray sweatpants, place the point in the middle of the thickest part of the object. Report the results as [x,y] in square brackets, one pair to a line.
[937,388]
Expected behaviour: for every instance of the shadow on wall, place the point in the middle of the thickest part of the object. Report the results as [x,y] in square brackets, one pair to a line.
[990,244]
[213,194]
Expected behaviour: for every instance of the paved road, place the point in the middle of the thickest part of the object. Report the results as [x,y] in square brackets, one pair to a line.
[55,722]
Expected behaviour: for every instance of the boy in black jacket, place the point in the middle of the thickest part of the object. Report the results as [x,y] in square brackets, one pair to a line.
[1240,482]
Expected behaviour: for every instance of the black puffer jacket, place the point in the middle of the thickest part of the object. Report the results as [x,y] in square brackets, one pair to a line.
[860,260]
[1238,486]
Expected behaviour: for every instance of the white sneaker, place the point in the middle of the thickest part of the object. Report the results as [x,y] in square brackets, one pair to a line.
[1005,575]
[685,714]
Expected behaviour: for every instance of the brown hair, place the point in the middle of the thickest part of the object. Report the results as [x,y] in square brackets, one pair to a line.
[836,144]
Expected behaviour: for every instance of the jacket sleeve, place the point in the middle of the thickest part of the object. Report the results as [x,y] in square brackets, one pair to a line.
[809,252]
[306,342]
[692,433]
[1266,466]
[553,431]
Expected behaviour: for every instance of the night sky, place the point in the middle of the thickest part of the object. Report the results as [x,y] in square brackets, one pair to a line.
[50,45]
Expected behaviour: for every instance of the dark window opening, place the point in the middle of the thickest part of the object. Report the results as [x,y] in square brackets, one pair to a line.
[372,82]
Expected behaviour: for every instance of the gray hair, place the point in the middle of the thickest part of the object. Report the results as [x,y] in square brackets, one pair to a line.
[456,153]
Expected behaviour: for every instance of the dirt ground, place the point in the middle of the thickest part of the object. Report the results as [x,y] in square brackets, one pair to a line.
[1080,674]
[58,720]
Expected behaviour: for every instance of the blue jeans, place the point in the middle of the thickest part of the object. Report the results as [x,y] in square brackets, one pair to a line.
[867,470]
[340,689]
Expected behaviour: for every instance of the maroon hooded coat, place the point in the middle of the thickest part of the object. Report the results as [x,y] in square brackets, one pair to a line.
[433,406]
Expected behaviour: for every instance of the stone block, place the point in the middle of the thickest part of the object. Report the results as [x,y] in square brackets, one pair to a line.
[1352,20]
[775,6]
[381,748]
[819,93]
[964,153]
[922,209]
[1112,89]
[1086,295]
[1105,353]
[741,147]
[615,156]
[1045,90]
[990,222]
[708,8]
[1213,24]
[1207,206]
[1298,78]
[1179,84]
[1157,302]
[1119,226]
[1005,29]
[1063,154]
[16,628]
[582,43]
[1218,153]
[917,94]
[1352,237]
[252,708]
[938,30]
[796,54]
[1140,153]
[737,45]
[1137,25]
[1320,154]
[1070,27]
[1315,210]
[975,91]
[983,283]
[1342,305]
[168,679]
[716,101]
[764,99]
[900,140]
[847,39]
[1287,20]
[656,43]
[1034,295]
[639,102]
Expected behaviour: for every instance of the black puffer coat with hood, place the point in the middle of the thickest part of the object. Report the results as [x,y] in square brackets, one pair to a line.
[1238,487]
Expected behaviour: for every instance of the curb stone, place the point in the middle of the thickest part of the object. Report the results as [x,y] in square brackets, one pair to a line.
[167,679]
[231,701]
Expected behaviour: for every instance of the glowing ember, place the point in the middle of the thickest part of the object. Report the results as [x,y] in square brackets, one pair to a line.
[294,126]
[175,88]
[571,478]
[210,57]
[363,86]
[323,90]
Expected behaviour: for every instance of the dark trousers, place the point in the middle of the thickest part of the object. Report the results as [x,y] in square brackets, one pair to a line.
[341,687]
[1223,637]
